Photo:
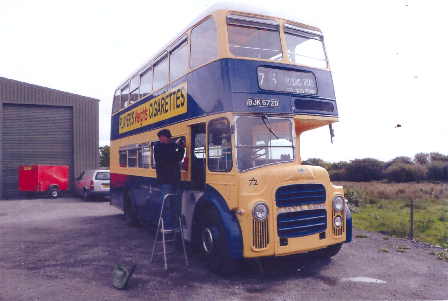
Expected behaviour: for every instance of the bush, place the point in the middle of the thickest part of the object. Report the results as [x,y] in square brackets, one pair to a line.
[424,167]
[419,173]
[338,175]
[437,171]
[401,173]
[396,173]
[338,171]
[364,170]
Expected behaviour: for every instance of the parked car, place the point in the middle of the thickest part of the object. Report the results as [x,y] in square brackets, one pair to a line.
[92,183]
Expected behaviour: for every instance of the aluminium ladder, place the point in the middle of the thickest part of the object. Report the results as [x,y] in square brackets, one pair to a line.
[168,231]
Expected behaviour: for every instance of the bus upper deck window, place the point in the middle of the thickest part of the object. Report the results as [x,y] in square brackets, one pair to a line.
[254,37]
[116,103]
[146,82]
[305,47]
[160,72]
[179,59]
[134,88]
[125,97]
[204,43]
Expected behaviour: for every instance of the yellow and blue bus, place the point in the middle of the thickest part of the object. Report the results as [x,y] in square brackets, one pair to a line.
[240,87]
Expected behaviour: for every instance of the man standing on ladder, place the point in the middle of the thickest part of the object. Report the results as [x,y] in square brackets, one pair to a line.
[167,156]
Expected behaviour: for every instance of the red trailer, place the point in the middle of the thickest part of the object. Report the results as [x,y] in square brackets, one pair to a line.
[43,178]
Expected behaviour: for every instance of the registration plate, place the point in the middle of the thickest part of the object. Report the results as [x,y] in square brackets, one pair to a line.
[106,186]
[262,103]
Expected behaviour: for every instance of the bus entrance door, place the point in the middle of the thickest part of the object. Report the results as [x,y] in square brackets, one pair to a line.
[198,165]
[197,168]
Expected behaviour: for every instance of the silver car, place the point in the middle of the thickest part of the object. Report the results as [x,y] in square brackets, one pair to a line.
[92,183]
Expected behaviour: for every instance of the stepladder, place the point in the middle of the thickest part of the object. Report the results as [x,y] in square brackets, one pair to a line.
[167,232]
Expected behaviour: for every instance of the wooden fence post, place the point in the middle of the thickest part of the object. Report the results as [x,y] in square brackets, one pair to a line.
[412,219]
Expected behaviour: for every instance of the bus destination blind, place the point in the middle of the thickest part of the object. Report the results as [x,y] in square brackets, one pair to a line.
[286,81]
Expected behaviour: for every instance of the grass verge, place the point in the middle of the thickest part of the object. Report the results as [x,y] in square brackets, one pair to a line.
[385,208]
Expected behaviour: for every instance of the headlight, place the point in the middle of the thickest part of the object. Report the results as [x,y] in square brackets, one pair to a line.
[338,221]
[260,211]
[338,203]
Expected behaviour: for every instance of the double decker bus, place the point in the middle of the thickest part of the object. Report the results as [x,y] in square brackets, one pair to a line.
[240,87]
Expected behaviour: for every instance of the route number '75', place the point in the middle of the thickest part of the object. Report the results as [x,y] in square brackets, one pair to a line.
[261,76]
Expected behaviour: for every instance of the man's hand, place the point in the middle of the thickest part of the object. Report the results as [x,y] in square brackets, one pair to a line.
[180,142]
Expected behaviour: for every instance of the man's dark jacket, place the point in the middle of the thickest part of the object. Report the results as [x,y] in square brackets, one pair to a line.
[167,157]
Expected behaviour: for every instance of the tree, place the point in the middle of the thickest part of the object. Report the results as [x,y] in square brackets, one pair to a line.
[438,157]
[105,156]
[315,162]
[421,158]
[399,160]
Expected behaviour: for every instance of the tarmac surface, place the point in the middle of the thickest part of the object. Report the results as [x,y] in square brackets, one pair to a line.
[66,249]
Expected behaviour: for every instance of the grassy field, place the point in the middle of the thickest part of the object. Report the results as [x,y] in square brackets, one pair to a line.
[383,207]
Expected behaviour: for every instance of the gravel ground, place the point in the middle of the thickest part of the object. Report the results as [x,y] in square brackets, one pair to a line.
[66,249]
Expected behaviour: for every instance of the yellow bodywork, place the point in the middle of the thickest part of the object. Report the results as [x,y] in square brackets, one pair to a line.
[268,180]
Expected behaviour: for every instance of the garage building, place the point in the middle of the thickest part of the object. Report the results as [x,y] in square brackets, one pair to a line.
[42,126]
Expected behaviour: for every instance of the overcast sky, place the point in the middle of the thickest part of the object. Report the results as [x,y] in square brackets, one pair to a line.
[389,61]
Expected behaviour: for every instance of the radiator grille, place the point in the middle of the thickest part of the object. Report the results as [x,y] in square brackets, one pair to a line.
[302,216]
[260,234]
[300,194]
[301,223]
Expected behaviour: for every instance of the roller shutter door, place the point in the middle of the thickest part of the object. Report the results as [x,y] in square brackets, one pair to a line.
[35,135]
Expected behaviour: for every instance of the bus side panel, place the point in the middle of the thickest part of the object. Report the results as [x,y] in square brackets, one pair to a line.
[117,188]
[140,191]
[144,191]
[209,98]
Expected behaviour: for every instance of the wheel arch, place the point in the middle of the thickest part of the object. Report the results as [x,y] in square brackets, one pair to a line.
[129,188]
[348,220]
[132,219]
[234,236]
[53,186]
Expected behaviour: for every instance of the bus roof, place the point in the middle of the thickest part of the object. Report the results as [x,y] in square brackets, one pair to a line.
[224,5]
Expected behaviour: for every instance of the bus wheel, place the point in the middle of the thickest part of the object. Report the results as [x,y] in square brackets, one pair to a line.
[54,193]
[214,245]
[130,213]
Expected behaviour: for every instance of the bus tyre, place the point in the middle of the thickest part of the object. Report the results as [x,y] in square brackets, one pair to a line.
[130,213]
[214,245]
